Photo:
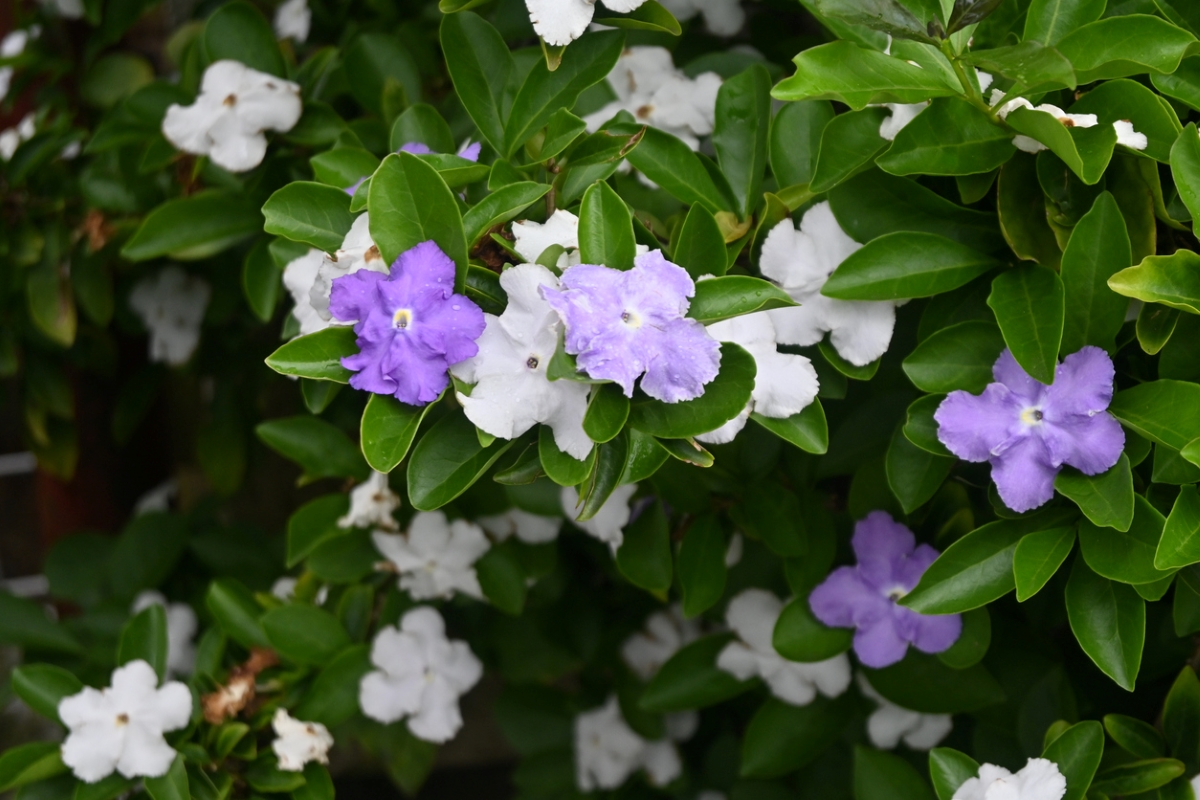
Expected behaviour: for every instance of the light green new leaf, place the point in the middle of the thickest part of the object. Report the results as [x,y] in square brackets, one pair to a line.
[1185,168]
[1173,281]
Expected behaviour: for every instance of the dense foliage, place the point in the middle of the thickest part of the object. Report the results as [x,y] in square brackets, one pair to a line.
[752,430]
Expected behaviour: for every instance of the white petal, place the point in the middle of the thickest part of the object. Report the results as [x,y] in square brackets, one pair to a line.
[146,753]
[562,228]
[608,522]
[930,731]
[529,528]
[623,6]
[292,20]
[559,22]
[752,615]
[1027,144]
[92,750]
[786,384]
[1127,136]
[387,700]
[789,684]
[860,330]
[902,114]
[661,762]
[738,660]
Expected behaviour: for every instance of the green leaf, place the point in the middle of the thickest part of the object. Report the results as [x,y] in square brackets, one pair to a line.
[690,679]
[1098,250]
[949,770]
[1109,621]
[882,15]
[701,565]
[957,357]
[857,76]
[24,623]
[799,636]
[333,697]
[1125,556]
[377,64]
[562,130]
[913,473]
[1030,304]
[563,469]
[921,429]
[480,65]
[321,449]
[1022,208]
[173,785]
[1048,21]
[923,683]
[587,62]
[194,227]
[771,513]
[1139,739]
[502,578]
[796,138]
[43,687]
[849,145]
[144,638]
[342,167]
[723,399]
[1105,499]
[108,788]
[1131,44]
[605,229]
[1180,542]
[607,410]
[1086,151]
[410,204]
[499,207]
[1169,280]
[1118,100]
[740,136]
[649,16]
[483,287]
[388,429]
[421,123]
[318,785]
[976,569]
[700,248]
[644,557]
[734,296]
[1037,557]
[1077,752]
[782,738]
[906,264]
[261,281]
[240,32]
[305,634]
[29,763]
[1163,411]
[51,303]
[447,461]
[317,356]
[236,612]
[1031,66]
[808,429]
[314,523]
[879,775]
[311,213]
[973,643]
[264,776]
[608,462]
[671,164]
[1138,777]
[951,137]
[1185,169]
[1154,327]
[1179,718]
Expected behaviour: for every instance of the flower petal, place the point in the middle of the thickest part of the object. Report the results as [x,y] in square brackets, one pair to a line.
[971,426]
[1083,385]
[1024,474]
[559,22]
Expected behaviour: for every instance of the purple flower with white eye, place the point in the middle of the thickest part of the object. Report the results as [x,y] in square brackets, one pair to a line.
[411,325]
[623,324]
[890,564]
[1028,430]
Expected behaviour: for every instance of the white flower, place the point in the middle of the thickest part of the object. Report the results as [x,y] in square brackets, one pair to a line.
[71,150]
[561,22]
[11,138]
[890,723]
[607,751]
[421,674]
[733,554]
[1196,786]
[285,589]
[11,46]
[1027,143]
[512,392]
[649,87]
[721,17]
[181,629]
[533,238]
[665,632]
[752,615]
[1127,136]
[292,20]
[299,742]
[1039,779]
[298,277]
[371,504]
[121,728]
[226,123]
[171,305]
[157,499]
[357,252]
[801,261]
[67,9]
[529,528]
[607,523]
[435,557]
[902,114]
[785,384]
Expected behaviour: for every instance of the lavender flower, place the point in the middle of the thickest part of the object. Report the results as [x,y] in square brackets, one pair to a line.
[623,324]
[469,150]
[1028,430]
[890,563]
[411,326]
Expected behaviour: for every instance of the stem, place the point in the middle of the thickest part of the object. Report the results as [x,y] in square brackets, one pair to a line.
[970,93]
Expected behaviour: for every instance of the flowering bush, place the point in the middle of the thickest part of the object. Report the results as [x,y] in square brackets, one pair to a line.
[735,422]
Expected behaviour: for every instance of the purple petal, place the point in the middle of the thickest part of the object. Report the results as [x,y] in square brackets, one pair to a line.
[1006,370]
[416,148]
[936,633]
[908,573]
[368,371]
[612,356]
[353,296]
[844,600]
[972,426]
[471,151]
[880,645]
[1090,444]
[452,326]
[591,300]
[1083,384]
[352,188]
[421,275]
[658,289]
[881,545]
[685,358]
[1024,474]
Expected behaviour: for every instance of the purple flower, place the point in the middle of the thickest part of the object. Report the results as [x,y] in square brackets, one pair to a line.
[890,563]
[411,326]
[1028,430]
[416,148]
[622,324]
[469,150]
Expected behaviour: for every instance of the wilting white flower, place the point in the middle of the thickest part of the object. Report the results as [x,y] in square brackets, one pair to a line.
[1127,136]
[371,504]
[529,528]
[298,277]
[299,742]
[721,17]
[11,138]
[890,723]
[1039,779]
[171,304]
[752,616]
[607,751]
[292,20]
[421,674]
[357,252]
[902,114]
[534,238]
[614,515]
[235,106]
[435,558]
[561,22]
[801,261]
[785,384]
[121,728]
[11,46]
[665,632]
[649,87]
[181,629]
[67,9]
[512,392]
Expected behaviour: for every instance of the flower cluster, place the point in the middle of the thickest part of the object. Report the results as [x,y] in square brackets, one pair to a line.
[171,304]
[608,751]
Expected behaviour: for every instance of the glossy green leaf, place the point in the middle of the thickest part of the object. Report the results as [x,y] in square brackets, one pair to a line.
[379,64]
[1130,44]
[261,281]
[1048,21]
[310,213]
[422,124]
[314,523]
[605,229]
[923,683]
[333,696]
[701,565]
[240,32]
[1029,303]
[604,476]
[502,578]
[723,399]
[671,164]
[951,137]
[921,428]
[949,770]
[799,636]
[1164,411]
[700,248]
[733,296]
[740,135]
[1077,752]
[305,634]
[1129,100]
[29,763]
[690,679]
[1139,739]
[447,461]
[796,138]
[388,429]
[857,76]
[236,612]
[1109,621]
[1022,208]
[1038,557]
[342,167]
[1105,499]
[649,16]
[882,15]
[1098,250]
[958,357]
[321,449]
[973,643]
[880,775]
[808,429]
[782,738]
[849,144]
[1125,556]
[1180,542]
[914,474]
[607,411]
[903,265]
[1031,65]
[480,64]
[1086,151]
[500,206]
[771,513]
[317,356]
[173,785]
[644,557]
[1138,777]
[560,467]
[194,227]
[1170,280]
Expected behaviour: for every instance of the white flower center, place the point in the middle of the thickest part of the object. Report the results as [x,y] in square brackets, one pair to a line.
[631,319]
[896,592]
[532,362]
[402,319]
[1032,416]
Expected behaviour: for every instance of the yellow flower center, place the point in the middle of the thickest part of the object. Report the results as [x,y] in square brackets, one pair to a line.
[1031,416]
[402,318]
[631,319]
